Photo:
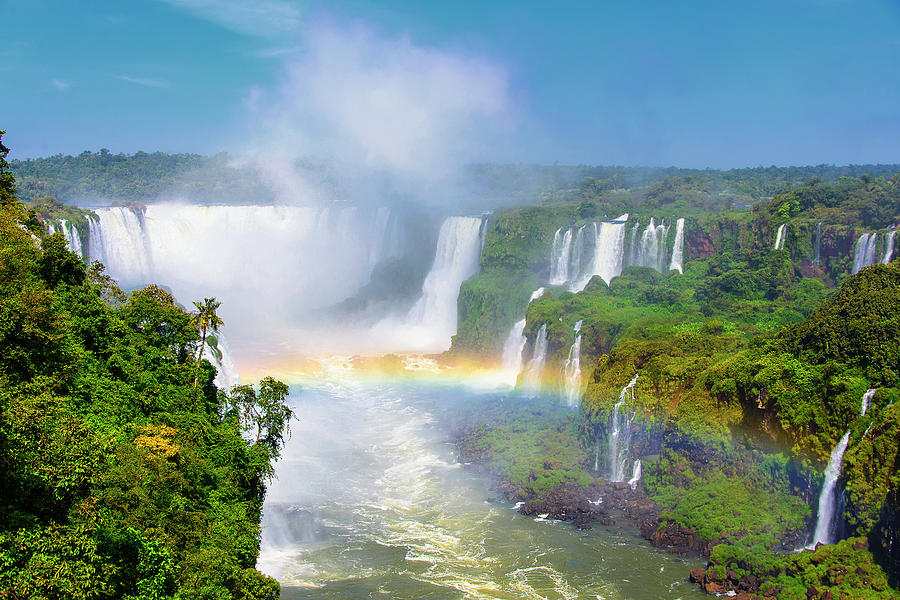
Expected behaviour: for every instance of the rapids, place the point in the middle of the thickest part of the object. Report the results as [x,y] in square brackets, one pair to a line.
[369,501]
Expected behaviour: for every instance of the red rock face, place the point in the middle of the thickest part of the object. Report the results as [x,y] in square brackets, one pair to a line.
[700,245]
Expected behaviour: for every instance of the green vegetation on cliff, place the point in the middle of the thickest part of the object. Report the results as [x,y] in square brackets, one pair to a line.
[118,479]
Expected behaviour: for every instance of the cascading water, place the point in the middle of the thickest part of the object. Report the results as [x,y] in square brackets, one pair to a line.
[635,474]
[864,252]
[651,252]
[535,368]
[572,369]
[431,323]
[73,240]
[620,433]
[632,257]
[514,347]
[578,253]
[302,259]
[817,257]
[678,248]
[609,250]
[561,253]
[828,501]
[779,237]
[888,247]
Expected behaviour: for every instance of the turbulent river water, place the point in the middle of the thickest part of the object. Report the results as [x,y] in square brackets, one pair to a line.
[369,502]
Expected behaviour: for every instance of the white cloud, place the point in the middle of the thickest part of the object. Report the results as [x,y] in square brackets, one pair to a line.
[144,81]
[60,84]
[264,18]
[384,105]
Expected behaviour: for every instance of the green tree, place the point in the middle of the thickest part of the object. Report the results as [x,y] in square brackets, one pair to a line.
[264,414]
[205,319]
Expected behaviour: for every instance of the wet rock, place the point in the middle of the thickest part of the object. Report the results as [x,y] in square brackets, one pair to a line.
[698,575]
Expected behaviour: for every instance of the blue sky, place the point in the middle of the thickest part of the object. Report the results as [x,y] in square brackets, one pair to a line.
[697,84]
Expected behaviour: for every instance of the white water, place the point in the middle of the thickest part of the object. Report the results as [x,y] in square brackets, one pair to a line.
[620,433]
[609,250]
[514,347]
[828,501]
[779,237]
[299,259]
[864,251]
[889,247]
[560,256]
[651,252]
[73,241]
[369,502]
[535,368]
[432,320]
[572,370]
[678,248]
[635,474]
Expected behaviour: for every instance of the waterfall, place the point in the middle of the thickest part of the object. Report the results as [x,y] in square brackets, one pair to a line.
[633,248]
[301,259]
[73,241]
[864,252]
[652,249]
[538,358]
[866,398]
[828,503]
[572,369]
[859,253]
[432,320]
[779,237]
[560,256]
[515,343]
[620,433]
[577,253]
[609,249]
[678,248]
[597,456]
[889,247]
[635,474]
[817,258]
[122,245]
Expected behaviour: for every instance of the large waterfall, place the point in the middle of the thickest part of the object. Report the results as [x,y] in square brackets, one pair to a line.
[73,240]
[651,252]
[828,501]
[577,254]
[561,254]
[277,268]
[572,369]
[431,323]
[514,346]
[620,433]
[864,251]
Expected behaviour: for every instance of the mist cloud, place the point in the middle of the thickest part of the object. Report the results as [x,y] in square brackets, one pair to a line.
[380,105]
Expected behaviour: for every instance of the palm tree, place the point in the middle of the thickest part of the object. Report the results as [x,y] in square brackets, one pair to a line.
[205,319]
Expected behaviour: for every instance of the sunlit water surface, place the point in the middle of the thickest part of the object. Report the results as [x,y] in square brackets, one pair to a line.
[369,502]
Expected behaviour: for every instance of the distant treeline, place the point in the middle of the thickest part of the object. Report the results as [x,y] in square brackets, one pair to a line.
[143,176]
[98,176]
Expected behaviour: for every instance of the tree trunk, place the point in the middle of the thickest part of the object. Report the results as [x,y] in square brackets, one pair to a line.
[199,356]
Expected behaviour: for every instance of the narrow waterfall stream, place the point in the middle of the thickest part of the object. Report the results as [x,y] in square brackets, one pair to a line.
[828,501]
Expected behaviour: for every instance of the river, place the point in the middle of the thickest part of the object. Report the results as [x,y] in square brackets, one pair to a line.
[369,502]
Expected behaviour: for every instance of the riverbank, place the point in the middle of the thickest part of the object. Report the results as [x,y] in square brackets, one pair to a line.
[751,558]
